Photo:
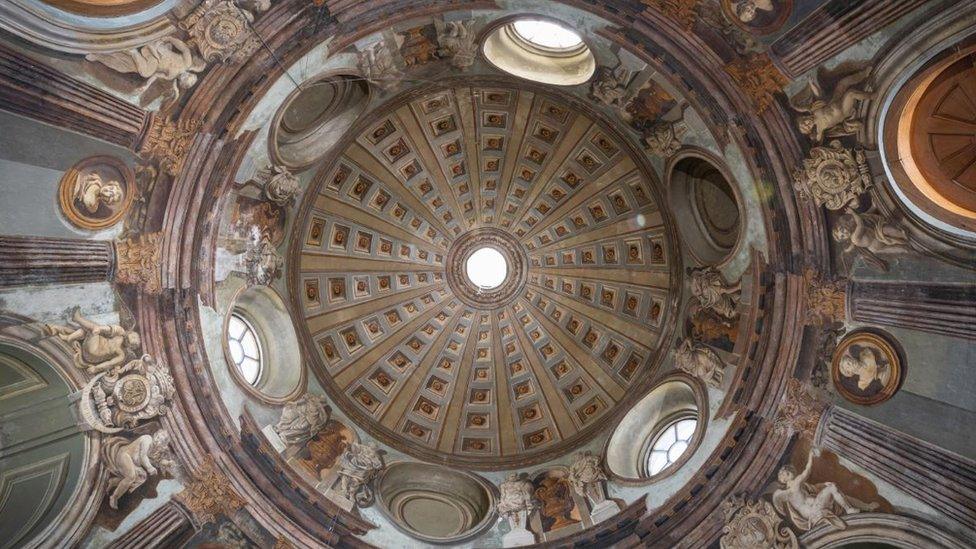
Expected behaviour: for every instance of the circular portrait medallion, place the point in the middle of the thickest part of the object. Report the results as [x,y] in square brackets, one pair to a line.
[758,16]
[96,192]
[866,369]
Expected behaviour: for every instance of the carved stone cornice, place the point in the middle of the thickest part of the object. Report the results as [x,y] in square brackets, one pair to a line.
[209,494]
[168,141]
[758,78]
[825,298]
[800,410]
[137,262]
[751,524]
[683,12]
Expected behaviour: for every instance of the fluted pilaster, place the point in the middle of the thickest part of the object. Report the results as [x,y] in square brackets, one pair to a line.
[937,308]
[26,260]
[937,477]
[168,526]
[832,28]
[35,90]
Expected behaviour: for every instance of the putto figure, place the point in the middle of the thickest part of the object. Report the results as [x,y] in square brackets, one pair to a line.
[610,85]
[301,419]
[167,59]
[808,505]
[832,116]
[357,468]
[97,348]
[872,235]
[130,463]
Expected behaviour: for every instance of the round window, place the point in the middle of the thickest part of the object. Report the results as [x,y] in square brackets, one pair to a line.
[540,50]
[670,444]
[245,348]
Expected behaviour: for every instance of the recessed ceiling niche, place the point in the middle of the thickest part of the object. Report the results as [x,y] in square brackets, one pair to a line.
[435,504]
[542,50]
[706,208]
[315,116]
[658,435]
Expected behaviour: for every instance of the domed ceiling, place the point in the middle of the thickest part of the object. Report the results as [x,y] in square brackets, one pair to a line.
[443,369]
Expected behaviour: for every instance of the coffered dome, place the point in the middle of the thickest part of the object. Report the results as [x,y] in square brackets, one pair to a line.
[405,338]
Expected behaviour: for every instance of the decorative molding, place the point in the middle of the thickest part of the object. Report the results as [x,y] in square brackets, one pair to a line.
[758,78]
[826,299]
[682,12]
[800,410]
[754,524]
[221,31]
[168,526]
[833,176]
[167,143]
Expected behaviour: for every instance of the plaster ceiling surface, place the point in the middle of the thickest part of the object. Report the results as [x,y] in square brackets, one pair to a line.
[438,367]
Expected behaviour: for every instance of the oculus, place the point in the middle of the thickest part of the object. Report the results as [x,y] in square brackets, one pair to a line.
[541,50]
[96,192]
[486,268]
[866,369]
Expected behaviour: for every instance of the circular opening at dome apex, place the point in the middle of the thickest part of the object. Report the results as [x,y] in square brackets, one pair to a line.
[486,268]
[547,34]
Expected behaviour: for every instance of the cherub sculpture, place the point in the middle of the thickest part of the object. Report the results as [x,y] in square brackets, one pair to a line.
[456,42]
[130,463]
[713,292]
[357,468]
[278,184]
[92,191]
[97,348]
[872,235]
[835,115]
[609,86]
[746,10]
[301,419]
[700,361]
[167,58]
[808,505]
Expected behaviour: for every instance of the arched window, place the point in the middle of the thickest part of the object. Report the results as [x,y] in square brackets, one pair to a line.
[670,444]
[245,348]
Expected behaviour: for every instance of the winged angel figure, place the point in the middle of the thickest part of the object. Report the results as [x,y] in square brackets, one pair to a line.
[832,114]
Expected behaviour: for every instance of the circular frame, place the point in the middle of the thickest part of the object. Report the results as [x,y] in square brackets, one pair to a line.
[668,422]
[66,192]
[784,7]
[891,354]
